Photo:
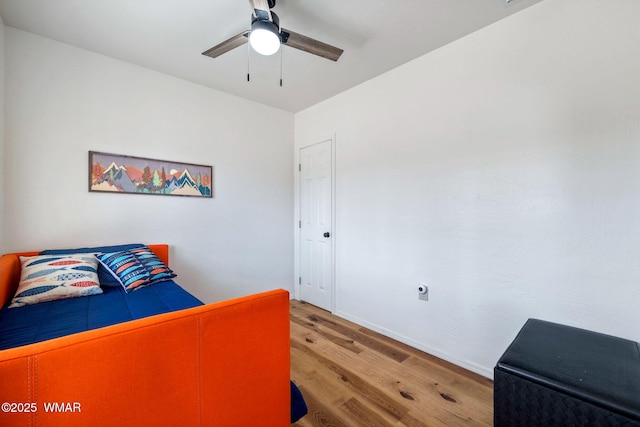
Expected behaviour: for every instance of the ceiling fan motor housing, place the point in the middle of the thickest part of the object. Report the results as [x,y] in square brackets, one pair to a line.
[266,24]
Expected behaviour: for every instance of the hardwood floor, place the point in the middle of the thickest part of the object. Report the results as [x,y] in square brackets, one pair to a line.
[352,376]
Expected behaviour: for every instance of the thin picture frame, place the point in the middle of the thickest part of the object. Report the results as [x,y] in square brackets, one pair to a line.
[122,174]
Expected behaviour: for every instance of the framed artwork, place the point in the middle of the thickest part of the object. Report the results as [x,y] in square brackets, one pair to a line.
[114,173]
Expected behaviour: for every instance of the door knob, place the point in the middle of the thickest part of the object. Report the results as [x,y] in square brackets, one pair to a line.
[327,234]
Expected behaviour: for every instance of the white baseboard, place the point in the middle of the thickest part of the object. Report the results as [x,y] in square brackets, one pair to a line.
[481,370]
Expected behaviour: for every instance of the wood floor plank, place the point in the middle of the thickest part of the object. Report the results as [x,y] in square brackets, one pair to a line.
[360,412]
[426,357]
[425,391]
[320,414]
[411,421]
[341,341]
[346,328]
[384,387]
[463,385]
[334,388]
[326,384]
[356,382]
[352,376]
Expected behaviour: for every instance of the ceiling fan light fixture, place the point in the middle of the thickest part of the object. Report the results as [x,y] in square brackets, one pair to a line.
[264,37]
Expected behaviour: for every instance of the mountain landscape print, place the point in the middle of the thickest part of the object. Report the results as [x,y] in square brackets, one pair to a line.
[126,174]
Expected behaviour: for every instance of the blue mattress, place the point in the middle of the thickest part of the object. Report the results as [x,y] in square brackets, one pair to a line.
[39,322]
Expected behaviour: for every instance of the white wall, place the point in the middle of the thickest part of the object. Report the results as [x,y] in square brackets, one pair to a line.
[62,102]
[2,224]
[503,170]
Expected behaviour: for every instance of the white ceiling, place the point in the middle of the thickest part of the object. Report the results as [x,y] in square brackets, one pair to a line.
[170,35]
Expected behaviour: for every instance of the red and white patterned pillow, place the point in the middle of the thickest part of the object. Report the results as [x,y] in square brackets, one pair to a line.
[51,277]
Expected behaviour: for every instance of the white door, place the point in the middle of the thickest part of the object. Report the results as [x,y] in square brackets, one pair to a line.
[316,231]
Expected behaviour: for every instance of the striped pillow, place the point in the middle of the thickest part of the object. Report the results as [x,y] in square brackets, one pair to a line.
[52,277]
[157,270]
[136,268]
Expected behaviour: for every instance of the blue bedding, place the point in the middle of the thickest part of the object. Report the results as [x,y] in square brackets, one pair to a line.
[53,319]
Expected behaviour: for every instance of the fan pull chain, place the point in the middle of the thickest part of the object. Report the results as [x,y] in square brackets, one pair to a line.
[248,62]
[281,49]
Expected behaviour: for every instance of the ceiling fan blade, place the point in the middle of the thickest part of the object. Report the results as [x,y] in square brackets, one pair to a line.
[310,45]
[261,9]
[227,45]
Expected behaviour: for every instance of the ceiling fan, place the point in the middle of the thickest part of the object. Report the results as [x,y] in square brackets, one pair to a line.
[266,36]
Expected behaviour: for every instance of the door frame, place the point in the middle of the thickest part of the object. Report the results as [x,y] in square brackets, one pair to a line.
[297,218]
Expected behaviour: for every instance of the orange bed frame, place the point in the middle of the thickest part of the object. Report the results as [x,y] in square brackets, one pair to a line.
[222,364]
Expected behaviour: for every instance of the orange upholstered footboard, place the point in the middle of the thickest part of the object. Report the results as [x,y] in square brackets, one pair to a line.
[222,364]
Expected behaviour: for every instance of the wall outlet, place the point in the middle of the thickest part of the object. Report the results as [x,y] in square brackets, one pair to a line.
[423,292]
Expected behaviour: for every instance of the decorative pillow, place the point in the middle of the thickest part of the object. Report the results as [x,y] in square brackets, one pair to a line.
[126,269]
[51,277]
[158,271]
[104,274]
[136,268]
